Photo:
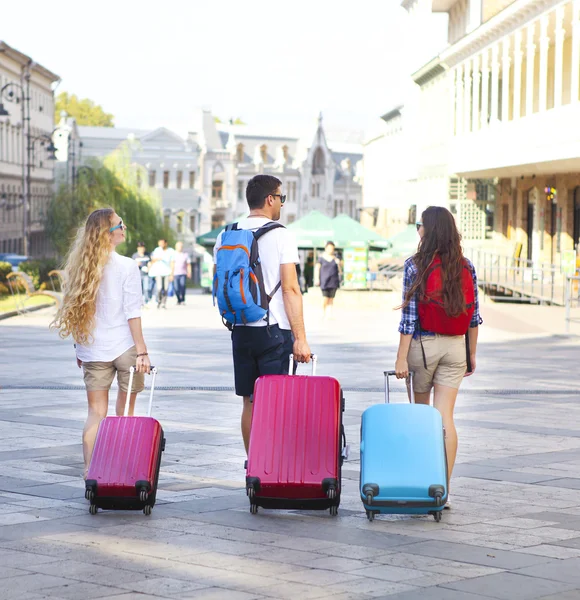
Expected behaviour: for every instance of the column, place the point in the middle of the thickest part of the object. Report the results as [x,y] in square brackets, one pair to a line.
[575,79]
[494,83]
[560,34]
[476,80]
[518,55]
[530,64]
[458,100]
[467,96]
[544,47]
[505,80]
[484,88]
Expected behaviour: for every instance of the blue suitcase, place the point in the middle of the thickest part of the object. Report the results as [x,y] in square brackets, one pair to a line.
[403,467]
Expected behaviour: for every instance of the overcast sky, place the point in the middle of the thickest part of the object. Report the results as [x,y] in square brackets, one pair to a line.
[274,64]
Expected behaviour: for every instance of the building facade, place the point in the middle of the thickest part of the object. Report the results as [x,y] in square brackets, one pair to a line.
[494,139]
[26,168]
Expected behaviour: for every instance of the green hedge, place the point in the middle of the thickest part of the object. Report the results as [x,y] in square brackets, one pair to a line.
[39,270]
[5,268]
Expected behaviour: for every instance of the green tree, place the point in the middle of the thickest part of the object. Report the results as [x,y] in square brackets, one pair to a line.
[116,182]
[85,111]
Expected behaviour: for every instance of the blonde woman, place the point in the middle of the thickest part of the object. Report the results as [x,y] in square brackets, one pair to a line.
[101,310]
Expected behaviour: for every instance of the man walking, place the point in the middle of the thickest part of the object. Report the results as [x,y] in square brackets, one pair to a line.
[264,347]
[142,258]
[161,268]
[181,270]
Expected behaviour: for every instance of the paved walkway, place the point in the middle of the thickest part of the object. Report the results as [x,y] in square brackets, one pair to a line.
[513,533]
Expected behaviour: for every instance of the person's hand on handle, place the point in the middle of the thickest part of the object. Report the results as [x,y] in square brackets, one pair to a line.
[79,363]
[401,368]
[143,364]
[301,351]
[472,358]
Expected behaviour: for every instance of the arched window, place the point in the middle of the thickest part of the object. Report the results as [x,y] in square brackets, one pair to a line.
[240,153]
[285,152]
[264,153]
[318,162]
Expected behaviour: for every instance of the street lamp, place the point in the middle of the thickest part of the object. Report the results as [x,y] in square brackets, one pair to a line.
[20,94]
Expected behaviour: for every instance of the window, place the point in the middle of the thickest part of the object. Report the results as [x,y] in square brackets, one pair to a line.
[179,179]
[165,179]
[318,162]
[152,178]
[240,190]
[191,180]
[217,189]
[285,152]
[240,153]
[192,223]
[313,190]
[264,153]
[179,224]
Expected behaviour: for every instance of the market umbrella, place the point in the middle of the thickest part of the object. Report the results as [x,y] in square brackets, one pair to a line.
[348,232]
[403,244]
[312,230]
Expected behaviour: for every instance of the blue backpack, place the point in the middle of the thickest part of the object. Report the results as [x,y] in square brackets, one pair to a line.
[238,284]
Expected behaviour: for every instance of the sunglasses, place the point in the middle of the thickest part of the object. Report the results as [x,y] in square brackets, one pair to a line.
[119,226]
[281,196]
[419,225]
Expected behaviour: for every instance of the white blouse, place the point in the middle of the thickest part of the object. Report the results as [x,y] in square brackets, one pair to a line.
[119,299]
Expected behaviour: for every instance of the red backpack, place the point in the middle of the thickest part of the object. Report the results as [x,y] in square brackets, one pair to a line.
[432,315]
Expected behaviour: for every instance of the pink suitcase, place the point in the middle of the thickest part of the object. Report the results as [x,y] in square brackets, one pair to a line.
[124,467]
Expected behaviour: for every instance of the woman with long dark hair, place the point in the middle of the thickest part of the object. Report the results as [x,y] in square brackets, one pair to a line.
[440,319]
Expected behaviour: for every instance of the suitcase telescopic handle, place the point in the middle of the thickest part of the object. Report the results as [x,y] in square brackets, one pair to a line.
[153,372]
[291,367]
[387,390]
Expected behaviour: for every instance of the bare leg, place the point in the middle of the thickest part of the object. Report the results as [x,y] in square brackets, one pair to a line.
[330,307]
[98,404]
[247,421]
[324,305]
[444,402]
[121,399]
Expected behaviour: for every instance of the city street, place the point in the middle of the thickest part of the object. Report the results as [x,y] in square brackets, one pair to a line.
[513,531]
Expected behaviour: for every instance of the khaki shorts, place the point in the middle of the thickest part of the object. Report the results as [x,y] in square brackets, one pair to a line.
[99,375]
[446,361]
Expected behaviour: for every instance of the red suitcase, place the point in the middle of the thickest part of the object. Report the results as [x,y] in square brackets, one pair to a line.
[124,467]
[296,443]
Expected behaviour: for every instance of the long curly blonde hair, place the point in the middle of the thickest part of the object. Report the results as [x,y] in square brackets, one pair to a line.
[84,270]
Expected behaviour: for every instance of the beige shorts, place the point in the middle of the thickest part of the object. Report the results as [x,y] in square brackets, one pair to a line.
[99,375]
[446,361]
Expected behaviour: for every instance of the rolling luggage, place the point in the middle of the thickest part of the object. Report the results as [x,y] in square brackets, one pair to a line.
[297,442]
[124,468]
[403,467]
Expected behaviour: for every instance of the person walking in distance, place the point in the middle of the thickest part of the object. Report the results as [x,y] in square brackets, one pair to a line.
[327,276]
[440,320]
[161,269]
[181,270]
[101,310]
[142,258]
[263,347]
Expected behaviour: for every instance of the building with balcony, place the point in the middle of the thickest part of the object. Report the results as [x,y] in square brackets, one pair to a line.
[26,170]
[489,124]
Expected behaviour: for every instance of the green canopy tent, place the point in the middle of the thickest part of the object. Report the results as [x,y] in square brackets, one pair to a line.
[312,230]
[208,240]
[403,244]
[348,232]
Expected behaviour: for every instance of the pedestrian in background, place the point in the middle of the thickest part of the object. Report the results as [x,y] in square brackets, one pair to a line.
[440,320]
[101,310]
[327,276]
[161,269]
[181,271]
[142,258]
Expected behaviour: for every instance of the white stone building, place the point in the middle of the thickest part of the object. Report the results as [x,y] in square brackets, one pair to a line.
[493,129]
[27,86]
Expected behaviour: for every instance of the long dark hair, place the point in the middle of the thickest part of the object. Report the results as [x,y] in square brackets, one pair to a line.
[441,239]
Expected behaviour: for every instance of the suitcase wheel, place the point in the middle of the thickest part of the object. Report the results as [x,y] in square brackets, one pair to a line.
[143,495]
[331,493]
[437,516]
[333,511]
[147,510]
[370,515]
[93,509]
[254,509]
[90,495]
[251,492]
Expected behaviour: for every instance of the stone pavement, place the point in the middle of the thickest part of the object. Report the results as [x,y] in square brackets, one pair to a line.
[513,532]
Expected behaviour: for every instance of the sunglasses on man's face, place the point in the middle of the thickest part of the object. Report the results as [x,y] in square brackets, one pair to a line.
[119,226]
[281,196]
[419,225]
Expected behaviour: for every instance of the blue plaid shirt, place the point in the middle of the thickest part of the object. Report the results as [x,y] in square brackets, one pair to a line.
[410,314]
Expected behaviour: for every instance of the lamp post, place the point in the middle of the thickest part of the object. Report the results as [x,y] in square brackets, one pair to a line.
[19,93]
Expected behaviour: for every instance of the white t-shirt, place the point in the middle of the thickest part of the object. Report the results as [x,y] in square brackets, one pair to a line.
[161,267]
[277,247]
[119,299]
